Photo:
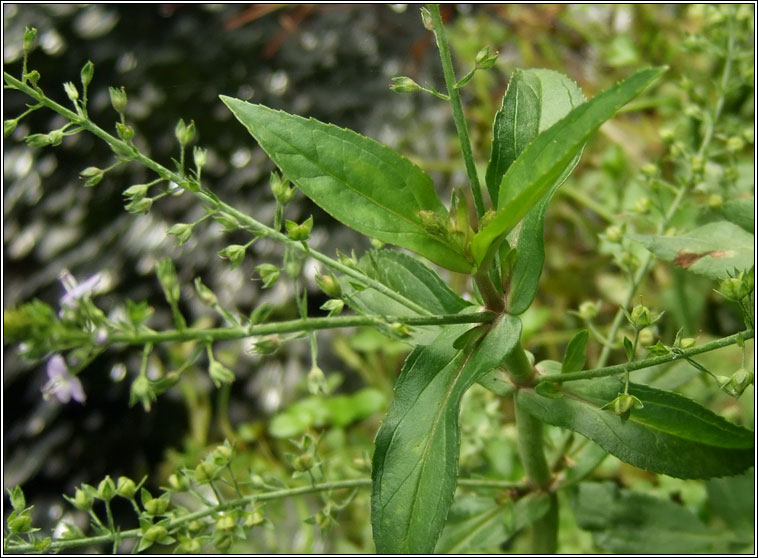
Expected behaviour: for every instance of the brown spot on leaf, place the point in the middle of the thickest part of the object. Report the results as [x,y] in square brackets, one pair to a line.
[688,259]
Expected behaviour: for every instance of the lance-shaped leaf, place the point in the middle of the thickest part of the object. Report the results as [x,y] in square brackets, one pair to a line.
[534,101]
[713,250]
[360,182]
[546,158]
[416,451]
[670,434]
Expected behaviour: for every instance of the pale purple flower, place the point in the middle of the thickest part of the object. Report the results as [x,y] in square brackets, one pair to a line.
[75,291]
[61,384]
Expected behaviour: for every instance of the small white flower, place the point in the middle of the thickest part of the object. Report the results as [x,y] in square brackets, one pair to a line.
[61,384]
[75,291]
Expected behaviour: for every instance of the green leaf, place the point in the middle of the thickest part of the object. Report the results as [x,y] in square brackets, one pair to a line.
[627,522]
[475,524]
[360,182]
[409,277]
[733,499]
[535,100]
[712,250]
[671,434]
[740,212]
[415,460]
[546,158]
[576,353]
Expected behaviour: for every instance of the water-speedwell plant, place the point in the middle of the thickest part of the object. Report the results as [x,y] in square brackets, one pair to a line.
[497,241]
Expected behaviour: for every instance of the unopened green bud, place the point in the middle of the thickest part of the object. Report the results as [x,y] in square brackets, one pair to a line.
[184,133]
[268,345]
[30,39]
[738,382]
[426,19]
[140,206]
[235,253]
[329,284]
[18,500]
[118,99]
[643,205]
[206,295]
[698,164]
[227,222]
[641,317]
[83,499]
[748,134]
[646,337]
[484,59]
[195,525]
[126,487]
[737,288]
[269,273]
[300,231]
[404,84]
[155,533]
[281,189]
[71,91]
[222,540]
[623,405]
[137,191]
[142,391]
[33,77]
[182,232]
[156,506]
[200,157]
[93,176]
[687,342]
[316,381]
[667,135]
[226,523]
[9,126]
[614,234]
[333,306]
[693,111]
[735,144]
[588,310]
[166,273]
[253,518]
[303,463]
[220,374]
[125,132]
[402,330]
[222,454]
[88,70]
[205,472]
[20,523]
[649,169]
[178,482]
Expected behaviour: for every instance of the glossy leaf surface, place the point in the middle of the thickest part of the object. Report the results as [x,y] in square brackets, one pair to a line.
[360,182]
[415,461]
[671,434]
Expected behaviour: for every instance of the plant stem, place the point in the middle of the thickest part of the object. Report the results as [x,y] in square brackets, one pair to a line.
[654,361]
[289,326]
[455,102]
[645,266]
[209,198]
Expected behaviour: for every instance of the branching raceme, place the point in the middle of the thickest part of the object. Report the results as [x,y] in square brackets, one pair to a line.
[539,135]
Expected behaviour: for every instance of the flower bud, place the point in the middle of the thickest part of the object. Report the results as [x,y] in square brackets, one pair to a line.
[184,133]
[316,381]
[641,317]
[667,135]
[281,189]
[333,306]
[137,191]
[30,39]
[403,84]
[698,164]
[33,77]
[9,127]
[401,330]
[155,533]
[269,273]
[88,70]
[200,157]
[226,523]
[299,231]
[142,391]
[650,170]
[106,490]
[125,132]
[166,273]
[126,488]
[715,201]
[738,382]
[82,499]
[220,374]
[222,454]
[253,518]
[303,463]
[643,205]
[71,91]
[268,345]
[686,342]
[206,295]
[748,134]
[588,310]
[614,234]
[735,144]
[205,472]
[623,405]
[178,482]
[484,59]
[93,176]
[20,523]
[156,506]
[235,253]
[329,284]
[182,232]
[140,205]
[118,99]
[426,19]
